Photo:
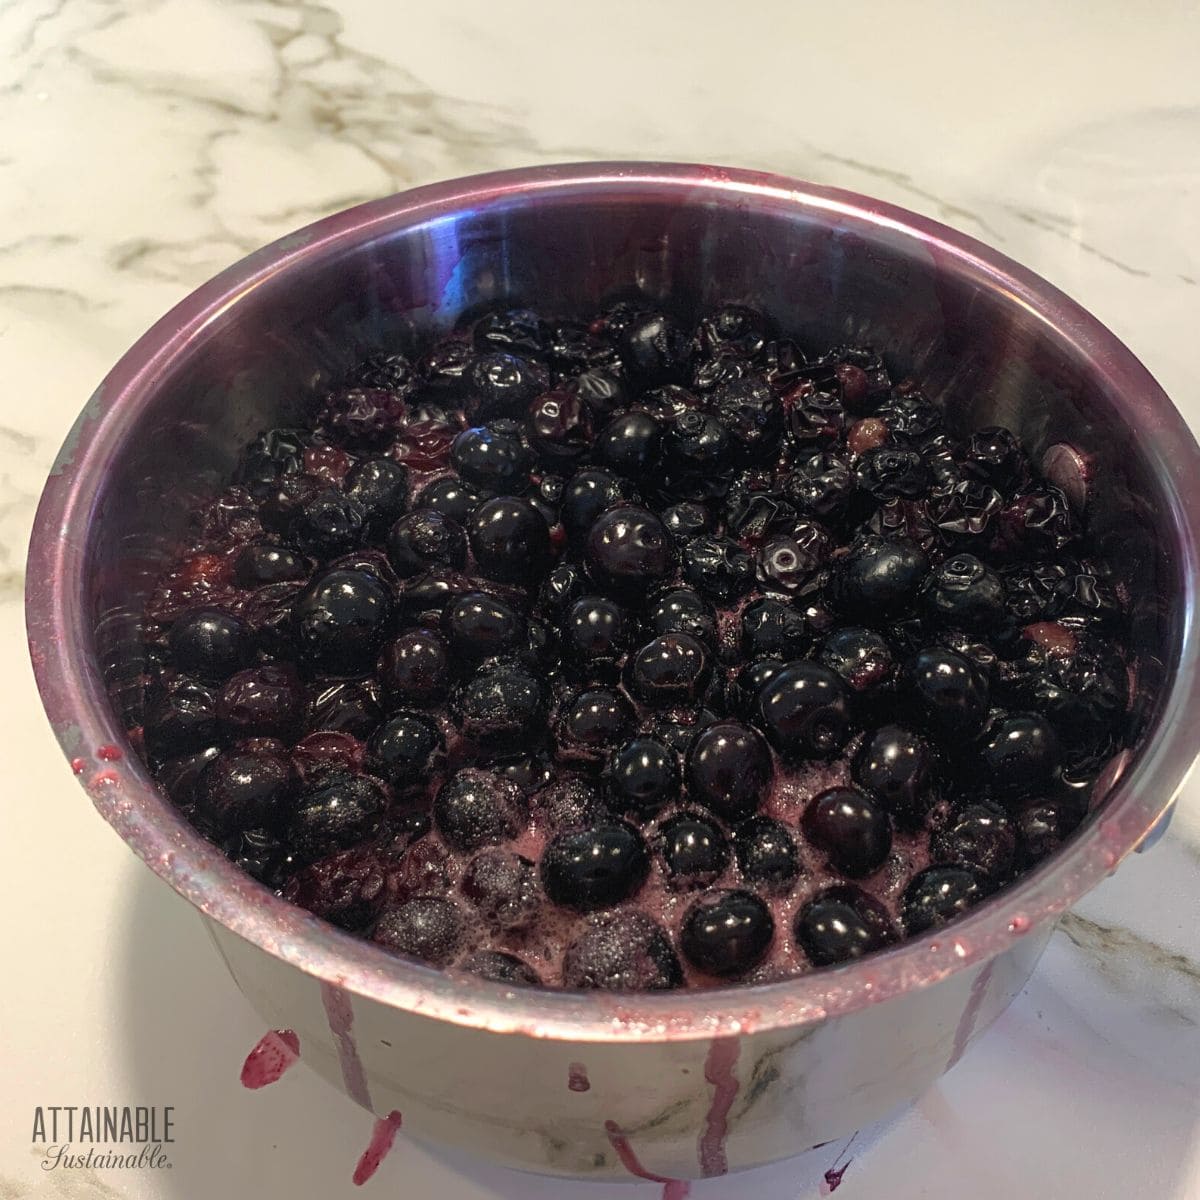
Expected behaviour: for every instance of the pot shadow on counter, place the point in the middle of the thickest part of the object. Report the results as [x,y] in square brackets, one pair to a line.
[1086,1086]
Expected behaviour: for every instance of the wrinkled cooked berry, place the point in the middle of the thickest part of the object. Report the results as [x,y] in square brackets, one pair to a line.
[502,385]
[503,888]
[335,811]
[265,701]
[476,808]
[938,895]
[980,836]
[694,851]
[502,705]
[766,853]
[430,928]
[773,629]
[622,952]
[718,567]
[347,888]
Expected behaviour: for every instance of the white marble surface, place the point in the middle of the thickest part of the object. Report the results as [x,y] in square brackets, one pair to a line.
[144,145]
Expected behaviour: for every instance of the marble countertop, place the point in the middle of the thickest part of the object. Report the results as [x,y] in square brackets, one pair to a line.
[145,144]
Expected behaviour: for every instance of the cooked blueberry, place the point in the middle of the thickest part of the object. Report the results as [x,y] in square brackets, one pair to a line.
[502,705]
[602,390]
[735,329]
[980,836]
[911,417]
[597,630]
[559,426]
[177,776]
[328,524]
[693,849]
[208,643]
[425,538]
[642,775]
[335,811]
[1043,826]
[242,790]
[939,894]
[686,519]
[415,668]
[564,583]
[630,444]
[388,370]
[363,418]
[671,669]
[821,484]
[682,610]
[380,486]
[1020,754]
[569,804]
[502,385]
[804,711]
[266,701]
[729,769]
[718,566]
[478,626]
[773,629]
[401,749]
[656,349]
[430,928]
[341,620]
[841,924]
[995,456]
[344,706]
[860,656]
[816,419]
[503,888]
[272,454]
[896,766]
[628,549]
[965,593]
[878,577]
[622,952]
[260,563]
[726,933]
[183,716]
[597,867]
[588,494]
[451,497]
[753,416]
[853,831]
[595,719]
[513,331]
[501,967]
[891,471]
[950,690]
[492,457]
[787,563]
[696,451]
[476,808]
[766,853]
[510,540]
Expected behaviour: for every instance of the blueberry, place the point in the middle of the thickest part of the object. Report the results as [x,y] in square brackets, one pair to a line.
[642,775]
[341,620]
[559,426]
[430,928]
[630,444]
[890,471]
[177,776]
[743,690]
[628,549]
[415,668]
[589,493]
[502,385]
[950,690]
[753,416]
[363,418]
[939,894]
[596,630]
[910,417]
[1020,754]
[682,610]
[1042,827]
[503,888]
[821,484]
[512,331]
[773,629]
[380,486]
[208,643]
[896,766]
[568,804]
[995,456]
[816,419]
[878,578]
[669,670]
[183,716]
[476,808]
[729,769]
[449,496]
[423,539]
[726,933]
[852,830]
[564,583]
[478,626]
[602,390]
[261,563]
[979,836]
[656,349]
[693,849]
[499,966]
[965,593]
[841,924]
[696,452]
[622,952]
[594,719]
[686,519]
[335,811]
[787,563]
[272,454]
[510,540]
[401,749]
[501,706]
[346,888]
[328,524]
[718,566]
[766,853]
[597,867]
[242,790]
[860,656]
[804,711]
[389,370]
[345,706]
[492,457]
[266,701]
[965,510]
[733,329]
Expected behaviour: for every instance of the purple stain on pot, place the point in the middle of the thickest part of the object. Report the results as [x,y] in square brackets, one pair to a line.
[718,1071]
[340,1013]
[383,1135]
[577,1077]
[832,1179]
[673,1189]
[273,1055]
[966,1023]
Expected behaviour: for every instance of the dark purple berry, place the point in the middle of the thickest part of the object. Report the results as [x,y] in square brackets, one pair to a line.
[266,701]
[597,631]
[773,629]
[341,620]
[502,706]
[841,924]
[510,540]
[272,454]
[896,766]
[597,867]
[815,419]
[980,836]
[261,563]
[594,720]
[718,566]
[478,626]
[1042,827]
[939,894]
[655,349]
[559,427]
[364,418]
[878,577]
[787,563]
[208,643]
[564,583]
[860,656]
[766,854]
[391,371]
[733,329]
[686,519]
[242,790]
[347,888]
[628,549]
[503,888]
[726,933]
[415,668]
[344,706]
[1020,754]
[995,456]
[335,811]
[492,457]
[693,849]
[476,808]
[804,711]
[430,928]
[499,966]
[423,539]
[380,486]
[449,496]
[630,444]
[752,415]
[669,670]
[513,331]
[328,524]
[642,776]
[965,593]
[402,749]
[502,385]
[853,831]
[622,952]
[681,610]
[568,804]
[950,690]
[729,769]
[890,471]
[821,485]
[183,716]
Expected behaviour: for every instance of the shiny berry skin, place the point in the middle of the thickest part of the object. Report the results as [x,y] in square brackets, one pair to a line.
[843,923]
[891,471]
[965,593]
[630,444]
[266,701]
[753,416]
[242,790]
[502,706]
[503,888]
[347,888]
[787,563]
[476,808]
[804,711]
[950,690]
[853,831]
[979,836]
[669,670]
[390,371]
[682,610]
[430,928]
[183,716]
[725,933]
[860,656]
[896,766]
[596,630]
[492,457]
[401,749]
[694,851]
[478,626]
[208,643]
[717,566]
[559,427]
[628,549]
[686,519]
[380,487]
[642,775]
[822,485]
[773,629]
[425,538]
[415,668]
[622,952]
[451,497]
[816,419]
[499,966]
[595,719]
[939,894]
[1020,754]
[565,582]
[568,804]
[597,867]
[995,456]
[1042,827]
[589,493]
[272,454]
[655,349]
[878,577]
[328,524]
[733,329]
[341,619]
[512,331]
[696,452]
[344,706]
[502,385]
[729,769]
[261,563]
[766,854]
[510,540]
[335,811]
